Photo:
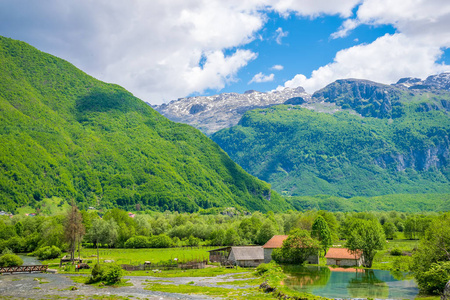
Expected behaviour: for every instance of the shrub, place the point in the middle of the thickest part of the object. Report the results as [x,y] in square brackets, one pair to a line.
[434,279]
[47,252]
[110,273]
[160,241]
[396,252]
[261,269]
[10,260]
[296,248]
[138,241]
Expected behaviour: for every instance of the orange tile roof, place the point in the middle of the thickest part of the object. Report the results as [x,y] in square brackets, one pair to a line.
[275,242]
[342,253]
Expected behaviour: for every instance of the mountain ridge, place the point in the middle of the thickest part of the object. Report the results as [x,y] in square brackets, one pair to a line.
[374,139]
[212,113]
[65,134]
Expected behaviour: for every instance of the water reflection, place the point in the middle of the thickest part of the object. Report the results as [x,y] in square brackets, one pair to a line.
[367,285]
[350,283]
[306,277]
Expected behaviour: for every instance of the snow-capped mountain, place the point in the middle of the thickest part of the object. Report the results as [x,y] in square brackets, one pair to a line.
[433,82]
[212,113]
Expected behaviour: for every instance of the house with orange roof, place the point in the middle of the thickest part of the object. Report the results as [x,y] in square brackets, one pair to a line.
[277,242]
[343,257]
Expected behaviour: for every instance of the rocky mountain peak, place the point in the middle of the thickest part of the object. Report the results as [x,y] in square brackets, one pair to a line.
[368,98]
[432,83]
[212,113]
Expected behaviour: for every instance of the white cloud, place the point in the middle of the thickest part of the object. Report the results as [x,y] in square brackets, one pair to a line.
[315,8]
[280,34]
[385,60]
[423,30]
[161,50]
[277,67]
[260,77]
[156,48]
[345,29]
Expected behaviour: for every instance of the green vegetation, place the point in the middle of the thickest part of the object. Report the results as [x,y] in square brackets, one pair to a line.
[65,135]
[10,260]
[107,273]
[302,152]
[432,259]
[296,248]
[366,236]
[47,252]
[414,203]
[321,232]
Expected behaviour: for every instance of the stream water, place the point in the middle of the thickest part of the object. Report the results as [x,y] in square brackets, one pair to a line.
[352,283]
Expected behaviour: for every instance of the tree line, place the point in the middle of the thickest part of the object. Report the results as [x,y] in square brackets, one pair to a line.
[116,228]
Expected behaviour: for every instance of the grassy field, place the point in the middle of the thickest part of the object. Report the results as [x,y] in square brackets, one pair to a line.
[385,261]
[155,256]
[139,256]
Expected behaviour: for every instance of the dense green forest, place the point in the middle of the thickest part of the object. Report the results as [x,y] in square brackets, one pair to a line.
[66,134]
[146,229]
[306,152]
[410,203]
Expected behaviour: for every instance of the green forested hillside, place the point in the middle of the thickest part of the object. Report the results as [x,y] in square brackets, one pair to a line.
[64,133]
[411,203]
[303,152]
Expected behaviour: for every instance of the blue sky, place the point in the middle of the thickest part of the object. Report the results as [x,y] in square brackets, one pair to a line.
[306,46]
[162,50]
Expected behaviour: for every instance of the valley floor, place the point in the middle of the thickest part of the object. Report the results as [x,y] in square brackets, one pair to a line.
[63,286]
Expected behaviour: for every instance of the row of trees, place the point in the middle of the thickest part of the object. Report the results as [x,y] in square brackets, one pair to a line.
[117,229]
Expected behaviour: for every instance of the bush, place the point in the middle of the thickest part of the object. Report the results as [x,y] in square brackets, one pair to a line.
[10,260]
[138,241]
[296,248]
[47,252]
[261,269]
[396,252]
[110,273]
[160,241]
[434,279]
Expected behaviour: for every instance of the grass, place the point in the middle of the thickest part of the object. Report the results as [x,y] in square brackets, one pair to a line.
[385,261]
[84,279]
[250,293]
[139,256]
[207,272]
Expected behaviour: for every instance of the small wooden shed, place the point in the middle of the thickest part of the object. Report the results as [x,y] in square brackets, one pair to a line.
[246,256]
[343,257]
[219,255]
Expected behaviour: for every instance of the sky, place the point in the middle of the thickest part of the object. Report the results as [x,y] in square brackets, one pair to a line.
[161,50]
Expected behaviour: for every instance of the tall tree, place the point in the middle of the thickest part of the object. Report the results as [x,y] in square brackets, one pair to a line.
[266,232]
[297,248]
[321,231]
[74,229]
[432,258]
[366,236]
[102,232]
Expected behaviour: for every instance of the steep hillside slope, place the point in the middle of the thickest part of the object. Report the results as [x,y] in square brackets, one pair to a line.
[64,133]
[381,140]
